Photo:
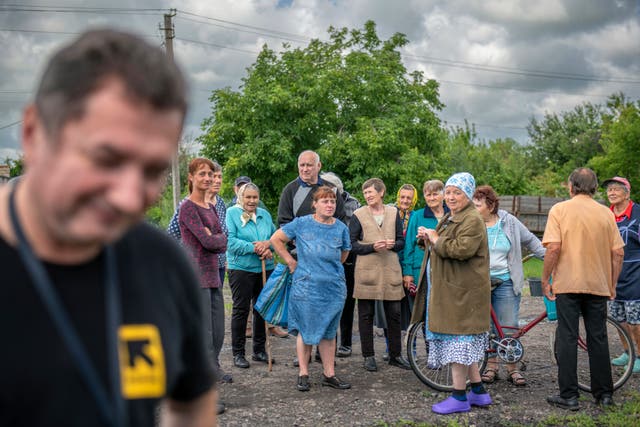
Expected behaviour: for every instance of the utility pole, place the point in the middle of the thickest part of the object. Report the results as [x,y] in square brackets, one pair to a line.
[169,34]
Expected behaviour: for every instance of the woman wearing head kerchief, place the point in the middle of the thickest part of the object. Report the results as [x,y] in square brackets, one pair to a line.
[406,200]
[459,293]
[250,228]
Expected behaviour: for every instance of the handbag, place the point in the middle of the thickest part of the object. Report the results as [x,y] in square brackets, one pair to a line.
[273,301]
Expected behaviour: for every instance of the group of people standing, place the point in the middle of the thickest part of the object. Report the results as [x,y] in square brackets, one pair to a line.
[116,304]
[446,263]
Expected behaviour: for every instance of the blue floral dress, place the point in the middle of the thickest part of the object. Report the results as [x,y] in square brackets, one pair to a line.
[318,290]
[450,348]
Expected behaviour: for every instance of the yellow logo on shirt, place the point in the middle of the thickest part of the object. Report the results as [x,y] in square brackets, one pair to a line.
[142,369]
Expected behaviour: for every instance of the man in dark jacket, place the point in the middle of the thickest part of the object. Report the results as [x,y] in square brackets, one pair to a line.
[297,198]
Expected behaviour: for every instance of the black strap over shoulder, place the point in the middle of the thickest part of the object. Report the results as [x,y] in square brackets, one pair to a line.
[112,413]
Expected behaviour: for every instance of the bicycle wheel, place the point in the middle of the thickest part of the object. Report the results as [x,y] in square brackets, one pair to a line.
[440,378]
[618,341]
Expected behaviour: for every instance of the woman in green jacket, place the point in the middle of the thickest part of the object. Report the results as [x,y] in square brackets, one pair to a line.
[459,294]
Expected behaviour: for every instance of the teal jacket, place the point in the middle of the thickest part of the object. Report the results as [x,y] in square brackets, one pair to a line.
[413,254]
[240,254]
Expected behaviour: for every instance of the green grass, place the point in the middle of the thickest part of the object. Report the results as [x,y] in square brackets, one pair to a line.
[533,268]
[625,414]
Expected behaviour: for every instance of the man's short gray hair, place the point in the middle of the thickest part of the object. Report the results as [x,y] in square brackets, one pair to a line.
[315,155]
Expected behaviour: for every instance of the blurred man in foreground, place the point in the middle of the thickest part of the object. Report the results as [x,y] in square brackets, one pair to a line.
[100,313]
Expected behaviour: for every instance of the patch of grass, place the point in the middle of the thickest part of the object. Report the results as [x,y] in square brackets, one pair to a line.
[626,414]
[533,268]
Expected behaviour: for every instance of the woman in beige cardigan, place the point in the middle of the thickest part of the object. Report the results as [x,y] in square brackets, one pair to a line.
[376,239]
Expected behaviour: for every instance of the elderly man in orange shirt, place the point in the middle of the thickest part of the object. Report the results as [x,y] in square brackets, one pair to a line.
[584,254]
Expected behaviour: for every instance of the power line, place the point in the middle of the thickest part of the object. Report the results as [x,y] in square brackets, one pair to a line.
[79,9]
[243,30]
[300,38]
[251,27]
[10,124]
[521,89]
[516,71]
[13,30]
[471,122]
[216,45]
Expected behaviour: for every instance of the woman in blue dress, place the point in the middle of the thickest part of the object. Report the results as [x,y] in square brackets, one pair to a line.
[318,291]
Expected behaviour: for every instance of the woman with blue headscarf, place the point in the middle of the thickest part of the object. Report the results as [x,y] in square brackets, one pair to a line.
[459,295]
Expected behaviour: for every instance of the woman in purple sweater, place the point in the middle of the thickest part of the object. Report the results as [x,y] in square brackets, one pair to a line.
[204,239]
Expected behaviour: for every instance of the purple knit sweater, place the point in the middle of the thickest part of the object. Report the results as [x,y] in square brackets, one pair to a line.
[202,246]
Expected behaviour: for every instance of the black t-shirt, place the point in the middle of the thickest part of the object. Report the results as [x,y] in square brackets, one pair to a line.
[161,338]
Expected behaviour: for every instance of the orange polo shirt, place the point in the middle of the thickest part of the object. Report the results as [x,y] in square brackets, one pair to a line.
[588,233]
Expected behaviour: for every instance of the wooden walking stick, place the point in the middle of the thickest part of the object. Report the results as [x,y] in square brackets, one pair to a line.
[266,325]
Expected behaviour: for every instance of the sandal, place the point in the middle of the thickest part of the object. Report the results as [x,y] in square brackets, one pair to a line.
[489,375]
[516,378]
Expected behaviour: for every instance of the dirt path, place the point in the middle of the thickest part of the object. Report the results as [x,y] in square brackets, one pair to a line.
[257,397]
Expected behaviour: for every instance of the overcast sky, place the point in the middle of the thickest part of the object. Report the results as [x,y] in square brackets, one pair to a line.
[499,63]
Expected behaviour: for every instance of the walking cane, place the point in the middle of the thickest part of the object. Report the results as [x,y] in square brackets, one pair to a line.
[266,325]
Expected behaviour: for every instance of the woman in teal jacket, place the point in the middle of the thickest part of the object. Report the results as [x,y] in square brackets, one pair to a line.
[428,217]
[250,228]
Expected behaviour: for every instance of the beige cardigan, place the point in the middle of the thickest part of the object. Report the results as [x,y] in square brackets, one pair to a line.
[378,275]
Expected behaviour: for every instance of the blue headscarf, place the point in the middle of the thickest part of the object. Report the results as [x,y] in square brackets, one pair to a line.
[464,181]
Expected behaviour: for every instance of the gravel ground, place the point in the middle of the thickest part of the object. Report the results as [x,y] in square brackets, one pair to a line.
[259,397]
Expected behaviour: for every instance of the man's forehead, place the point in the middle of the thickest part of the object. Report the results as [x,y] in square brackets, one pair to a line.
[307,159]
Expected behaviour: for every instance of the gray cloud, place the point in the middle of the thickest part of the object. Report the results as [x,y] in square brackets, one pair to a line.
[450,41]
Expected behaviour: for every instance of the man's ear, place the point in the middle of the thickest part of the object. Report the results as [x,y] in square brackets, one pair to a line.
[29,133]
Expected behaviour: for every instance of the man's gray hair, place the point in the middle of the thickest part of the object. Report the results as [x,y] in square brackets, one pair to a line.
[583,181]
[315,155]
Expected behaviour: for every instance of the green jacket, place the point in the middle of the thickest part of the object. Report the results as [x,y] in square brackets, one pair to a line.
[460,301]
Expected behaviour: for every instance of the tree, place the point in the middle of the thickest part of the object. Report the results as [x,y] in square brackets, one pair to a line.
[349,98]
[561,143]
[621,142]
[16,166]
[499,163]
[161,212]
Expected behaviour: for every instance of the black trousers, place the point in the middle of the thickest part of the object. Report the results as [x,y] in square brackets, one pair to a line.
[346,320]
[594,312]
[245,289]
[365,323]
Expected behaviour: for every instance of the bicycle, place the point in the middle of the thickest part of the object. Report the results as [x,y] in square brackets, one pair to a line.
[510,349]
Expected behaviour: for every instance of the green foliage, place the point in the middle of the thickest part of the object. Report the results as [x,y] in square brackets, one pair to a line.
[161,212]
[16,166]
[621,143]
[562,142]
[349,98]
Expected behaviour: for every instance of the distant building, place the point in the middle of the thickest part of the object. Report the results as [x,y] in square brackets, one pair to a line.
[5,173]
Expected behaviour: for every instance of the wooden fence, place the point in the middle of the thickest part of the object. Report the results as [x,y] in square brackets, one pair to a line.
[532,211]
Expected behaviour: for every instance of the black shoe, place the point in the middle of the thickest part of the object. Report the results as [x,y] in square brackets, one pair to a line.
[370,364]
[399,362]
[240,362]
[261,356]
[605,400]
[343,351]
[220,407]
[570,404]
[335,382]
[303,383]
